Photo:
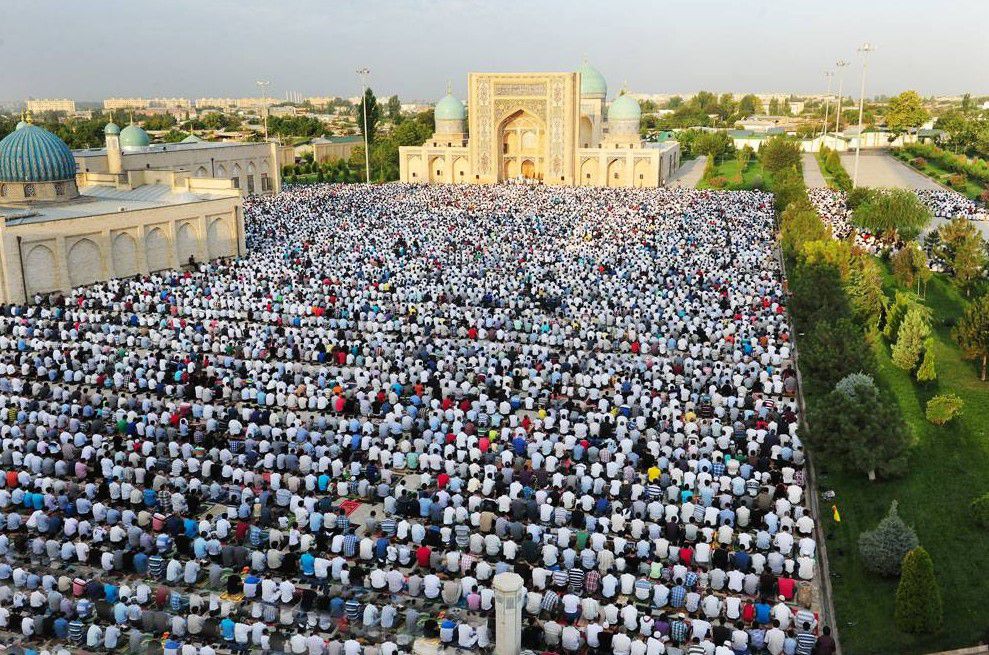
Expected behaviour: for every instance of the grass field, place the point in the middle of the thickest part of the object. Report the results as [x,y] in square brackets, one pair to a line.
[931,170]
[949,466]
[753,176]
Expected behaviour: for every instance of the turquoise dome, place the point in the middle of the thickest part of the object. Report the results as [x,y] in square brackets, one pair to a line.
[592,82]
[21,124]
[449,109]
[624,108]
[192,138]
[111,128]
[33,154]
[133,136]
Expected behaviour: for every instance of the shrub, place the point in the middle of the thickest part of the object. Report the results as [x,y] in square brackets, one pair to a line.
[857,196]
[928,369]
[980,510]
[918,599]
[984,197]
[957,181]
[943,408]
[883,549]
[758,183]
[918,162]
[910,339]
[718,181]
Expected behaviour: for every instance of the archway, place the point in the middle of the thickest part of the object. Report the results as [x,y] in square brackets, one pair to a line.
[641,174]
[187,243]
[437,169]
[523,139]
[616,173]
[460,170]
[124,255]
[218,239]
[586,132]
[589,173]
[85,263]
[156,250]
[40,270]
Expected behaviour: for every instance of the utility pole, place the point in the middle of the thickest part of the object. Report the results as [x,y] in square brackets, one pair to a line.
[865,50]
[827,105]
[263,90]
[364,72]
[841,63]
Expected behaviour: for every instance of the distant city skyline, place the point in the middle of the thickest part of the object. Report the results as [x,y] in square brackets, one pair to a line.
[103,48]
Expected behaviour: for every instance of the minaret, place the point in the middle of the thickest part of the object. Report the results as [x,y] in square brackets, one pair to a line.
[114,157]
[508,613]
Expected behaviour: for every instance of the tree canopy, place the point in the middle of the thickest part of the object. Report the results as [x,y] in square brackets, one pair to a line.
[972,333]
[905,111]
[892,213]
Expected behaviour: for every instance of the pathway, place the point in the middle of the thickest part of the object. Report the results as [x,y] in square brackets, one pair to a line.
[689,173]
[813,177]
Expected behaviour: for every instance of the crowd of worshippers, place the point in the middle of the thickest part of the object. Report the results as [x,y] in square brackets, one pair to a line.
[832,207]
[948,204]
[592,388]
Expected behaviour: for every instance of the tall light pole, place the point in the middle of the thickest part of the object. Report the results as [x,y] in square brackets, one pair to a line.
[841,63]
[364,72]
[263,90]
[827,105]
[865,50]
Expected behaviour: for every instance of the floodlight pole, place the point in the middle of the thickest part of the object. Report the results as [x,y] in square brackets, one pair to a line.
[262,89]
[364,72]
[827,104]
[865,50]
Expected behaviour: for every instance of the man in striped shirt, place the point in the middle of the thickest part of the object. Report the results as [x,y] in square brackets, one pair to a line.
[805,640]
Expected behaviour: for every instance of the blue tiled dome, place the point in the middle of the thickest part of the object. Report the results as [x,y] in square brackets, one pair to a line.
[133,136]
[624,108]
[449,108]
[33,154]
[592,84]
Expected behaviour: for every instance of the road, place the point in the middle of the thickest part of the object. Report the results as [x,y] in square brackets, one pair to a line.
[689,173]
[813,177]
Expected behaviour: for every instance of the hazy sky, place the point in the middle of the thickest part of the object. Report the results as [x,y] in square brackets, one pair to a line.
[90,49]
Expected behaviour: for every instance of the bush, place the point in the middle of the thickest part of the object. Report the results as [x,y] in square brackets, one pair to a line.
[984,197]
[918,599]
[857,196]
[928,368]
[980,510]
[943,408]
[957,181]
[918,162]
[883,549]
[758,183]
[718,182]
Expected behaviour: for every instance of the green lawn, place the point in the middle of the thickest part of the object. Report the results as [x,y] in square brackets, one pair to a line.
[751,177]
[935,172]
[949,466]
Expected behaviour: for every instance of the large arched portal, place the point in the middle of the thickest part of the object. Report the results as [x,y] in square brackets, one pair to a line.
[523,146]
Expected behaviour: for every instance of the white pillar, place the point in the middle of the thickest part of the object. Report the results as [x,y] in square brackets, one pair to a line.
[508,613]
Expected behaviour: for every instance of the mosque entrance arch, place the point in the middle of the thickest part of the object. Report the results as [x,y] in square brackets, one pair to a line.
[522,138]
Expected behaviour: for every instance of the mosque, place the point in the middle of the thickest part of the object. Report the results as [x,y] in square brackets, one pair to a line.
[61,227]
[553,128]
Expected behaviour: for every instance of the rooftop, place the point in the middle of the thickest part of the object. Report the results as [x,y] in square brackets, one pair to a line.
[167,147]
[338,139]
[97,200]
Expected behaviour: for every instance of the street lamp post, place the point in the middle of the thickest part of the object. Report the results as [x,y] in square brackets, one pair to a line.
[841,63]
[827,104]
[865,50]
[364,72]
[263,90]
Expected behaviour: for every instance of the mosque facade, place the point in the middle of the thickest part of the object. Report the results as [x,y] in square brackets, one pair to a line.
[61,228]
[551,128]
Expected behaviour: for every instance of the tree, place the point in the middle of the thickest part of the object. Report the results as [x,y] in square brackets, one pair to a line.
[861,428]
[960,245]
[713,144]
[774,107]
[910,266]
[674,103]
[744,156]
[944,407]
[832,350]
[799,224]
[749,105]
[910,339]
[905,111]
[892,213]
[883,549]
[972,333]
[816,294]
[779,153]
[373,115]
[980,510]
[928,368]
[918,598]
[865,291]
[394,108]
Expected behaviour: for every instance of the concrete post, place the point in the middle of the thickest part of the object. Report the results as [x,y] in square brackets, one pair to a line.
[508,613]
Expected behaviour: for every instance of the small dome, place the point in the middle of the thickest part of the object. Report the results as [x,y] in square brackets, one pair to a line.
[21,124]
[449,108]
[133,136]
[33,154]
[592,84]
[192,138]
[624,108]
[111,128]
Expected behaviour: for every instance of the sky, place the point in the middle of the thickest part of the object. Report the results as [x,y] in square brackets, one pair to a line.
[91,49]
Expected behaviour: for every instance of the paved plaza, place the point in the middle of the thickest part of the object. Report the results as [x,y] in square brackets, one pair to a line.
[689,173]
[812,171]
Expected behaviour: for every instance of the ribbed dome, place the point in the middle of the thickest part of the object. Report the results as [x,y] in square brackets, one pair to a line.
[133,136]
[449,108]
[33,154]
[21,124]
[192,138]
[624,108]
[592,84]
[111,128]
